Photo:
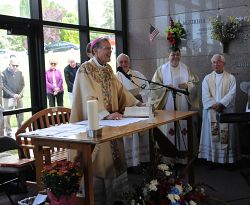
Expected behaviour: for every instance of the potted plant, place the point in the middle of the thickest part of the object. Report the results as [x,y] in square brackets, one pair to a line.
[175,33]
[61,179]
[226,30]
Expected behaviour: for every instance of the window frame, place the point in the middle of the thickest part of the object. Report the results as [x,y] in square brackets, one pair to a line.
[33,28]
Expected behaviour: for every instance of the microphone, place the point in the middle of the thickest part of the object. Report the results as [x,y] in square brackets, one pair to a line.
[128,76]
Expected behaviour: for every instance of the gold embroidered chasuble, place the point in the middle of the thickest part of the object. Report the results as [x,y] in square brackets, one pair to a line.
[99,82]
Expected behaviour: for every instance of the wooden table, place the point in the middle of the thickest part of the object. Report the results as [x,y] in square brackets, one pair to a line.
[85,144]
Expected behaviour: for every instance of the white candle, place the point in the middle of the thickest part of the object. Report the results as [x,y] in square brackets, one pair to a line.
[92,111]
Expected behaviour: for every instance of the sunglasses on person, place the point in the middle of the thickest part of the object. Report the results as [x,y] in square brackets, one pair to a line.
[15,66]
[52,63]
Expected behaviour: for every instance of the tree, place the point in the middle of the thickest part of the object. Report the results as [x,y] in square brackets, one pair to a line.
[108,15]
[24,7]
[70,35]
[54,12]
[17,43]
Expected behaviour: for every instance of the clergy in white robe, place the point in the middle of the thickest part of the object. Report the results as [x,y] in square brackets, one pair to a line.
[136,145]
[96,80]
[219,141]
[176,74]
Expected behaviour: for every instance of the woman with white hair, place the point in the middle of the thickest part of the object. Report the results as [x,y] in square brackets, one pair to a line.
[54,84]
[218,143]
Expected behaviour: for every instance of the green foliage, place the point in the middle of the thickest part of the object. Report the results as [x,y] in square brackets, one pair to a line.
[94,35]
[226,30]
[24,8]
[70,35]
[108,15]
[52,12]
[17,43]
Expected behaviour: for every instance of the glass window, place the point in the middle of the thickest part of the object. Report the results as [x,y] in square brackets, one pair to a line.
[60,11]
[111,37]
[18,8]
[61,45]
[14,62]
[101,13]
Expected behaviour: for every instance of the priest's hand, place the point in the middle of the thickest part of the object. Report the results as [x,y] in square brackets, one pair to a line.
[141,104]
[218,107]
[114,116]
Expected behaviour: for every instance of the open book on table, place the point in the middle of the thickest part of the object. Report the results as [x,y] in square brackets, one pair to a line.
[137,112]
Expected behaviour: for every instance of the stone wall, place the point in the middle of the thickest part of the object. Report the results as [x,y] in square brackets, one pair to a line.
[198,48]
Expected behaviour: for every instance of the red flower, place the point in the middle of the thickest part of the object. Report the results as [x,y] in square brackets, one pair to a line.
[173,41]
[169,35]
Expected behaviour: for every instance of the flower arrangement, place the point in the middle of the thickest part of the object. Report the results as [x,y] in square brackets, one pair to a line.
[227,30]
[175,32]
[61,178]
[163,188]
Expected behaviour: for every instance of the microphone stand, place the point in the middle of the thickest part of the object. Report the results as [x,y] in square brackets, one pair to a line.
[174,92]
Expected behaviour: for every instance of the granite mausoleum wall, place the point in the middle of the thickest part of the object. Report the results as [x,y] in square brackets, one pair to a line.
[198,48]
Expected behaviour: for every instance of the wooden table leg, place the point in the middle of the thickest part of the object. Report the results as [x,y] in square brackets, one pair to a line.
[151,145]
[190,150]
[38,154]
[88,174]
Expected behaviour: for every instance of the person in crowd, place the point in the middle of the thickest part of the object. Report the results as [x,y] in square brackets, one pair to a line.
[13,88]
[219,142]
[89,51]
[136,147]
[96,80]
[69,75]
[175,74]
[54,84]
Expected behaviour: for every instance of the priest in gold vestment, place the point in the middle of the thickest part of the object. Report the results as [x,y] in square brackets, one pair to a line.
[96,80]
